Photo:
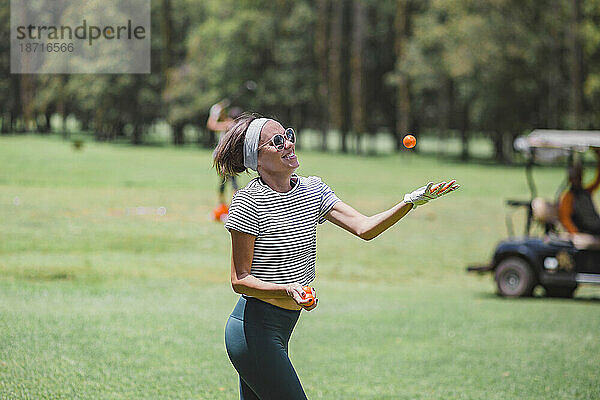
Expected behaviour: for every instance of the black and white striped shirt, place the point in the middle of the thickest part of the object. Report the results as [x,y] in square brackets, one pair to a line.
[285,226]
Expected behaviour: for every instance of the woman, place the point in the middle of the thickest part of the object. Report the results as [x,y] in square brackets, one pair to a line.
[273,223]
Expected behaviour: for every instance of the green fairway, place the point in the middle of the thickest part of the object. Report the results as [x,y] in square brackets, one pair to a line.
[114,284]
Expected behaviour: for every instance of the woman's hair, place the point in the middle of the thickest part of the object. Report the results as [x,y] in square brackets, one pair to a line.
[229,153]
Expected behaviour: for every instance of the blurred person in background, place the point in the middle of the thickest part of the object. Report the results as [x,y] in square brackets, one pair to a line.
[219,121]
[576,211]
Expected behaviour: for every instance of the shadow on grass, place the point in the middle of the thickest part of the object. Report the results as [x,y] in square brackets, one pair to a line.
[490,296]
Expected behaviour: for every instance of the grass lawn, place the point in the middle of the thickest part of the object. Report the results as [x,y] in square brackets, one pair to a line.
[104,297]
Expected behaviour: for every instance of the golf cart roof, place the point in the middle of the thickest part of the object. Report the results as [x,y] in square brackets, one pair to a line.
[548,146]
[558,139]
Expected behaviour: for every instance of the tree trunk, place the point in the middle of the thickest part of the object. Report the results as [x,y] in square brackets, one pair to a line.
[98,124]
[178,137]
[27,90]
[61,109]
[85,123]
[14,105]
[166,62]
[464,139]
[136,136]
[199,135]
[13,122]
[166,33]
[402,91]
[498,147]
[346,123]
[503,146]
[336,77]
[120,129]
[46,127]
[321,52]
[450,104]
[464,132]
[357,72]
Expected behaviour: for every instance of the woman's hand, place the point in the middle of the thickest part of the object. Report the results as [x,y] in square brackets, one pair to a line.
[314,304]
[295,291]
[430,192]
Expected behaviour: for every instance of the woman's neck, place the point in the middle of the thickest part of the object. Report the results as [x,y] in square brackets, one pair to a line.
[278,182]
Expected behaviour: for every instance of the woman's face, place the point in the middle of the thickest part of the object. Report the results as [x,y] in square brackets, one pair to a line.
[270,159]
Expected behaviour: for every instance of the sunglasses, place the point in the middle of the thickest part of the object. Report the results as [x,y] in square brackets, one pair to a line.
[278,140]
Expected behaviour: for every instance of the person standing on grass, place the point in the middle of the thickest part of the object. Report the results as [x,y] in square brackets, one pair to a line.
[272,222]
[219,121]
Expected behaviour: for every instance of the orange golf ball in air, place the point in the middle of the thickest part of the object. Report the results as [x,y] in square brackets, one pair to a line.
[310,295]
[409,141]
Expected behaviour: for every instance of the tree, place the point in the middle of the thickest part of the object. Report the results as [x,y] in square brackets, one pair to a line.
[357,71]
[337,86]
[270,43]
[493,60]
[590,39]
[577,72]
[321,55]
[401,78]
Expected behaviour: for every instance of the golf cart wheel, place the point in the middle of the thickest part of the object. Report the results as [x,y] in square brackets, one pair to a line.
[560,292]
[514,278]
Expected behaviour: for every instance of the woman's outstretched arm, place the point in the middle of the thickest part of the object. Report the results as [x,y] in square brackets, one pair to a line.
[368,228]
[365,227]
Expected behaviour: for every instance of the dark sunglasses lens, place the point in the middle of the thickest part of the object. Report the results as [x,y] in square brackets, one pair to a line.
[291,135]
[279,141]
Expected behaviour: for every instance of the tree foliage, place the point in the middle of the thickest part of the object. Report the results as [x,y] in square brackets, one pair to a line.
[500,67]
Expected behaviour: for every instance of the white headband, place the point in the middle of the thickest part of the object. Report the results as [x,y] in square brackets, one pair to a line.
[251,143]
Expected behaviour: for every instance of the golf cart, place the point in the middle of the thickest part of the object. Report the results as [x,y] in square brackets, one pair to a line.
[554,259]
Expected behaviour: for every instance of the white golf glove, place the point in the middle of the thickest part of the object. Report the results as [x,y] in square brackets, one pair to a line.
[426,193]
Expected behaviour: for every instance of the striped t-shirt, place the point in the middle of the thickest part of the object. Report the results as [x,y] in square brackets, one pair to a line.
[285,226]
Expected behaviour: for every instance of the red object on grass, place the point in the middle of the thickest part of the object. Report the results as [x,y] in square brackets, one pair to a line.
[221,212]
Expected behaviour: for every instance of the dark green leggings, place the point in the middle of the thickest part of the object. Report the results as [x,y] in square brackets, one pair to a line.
[256,337]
